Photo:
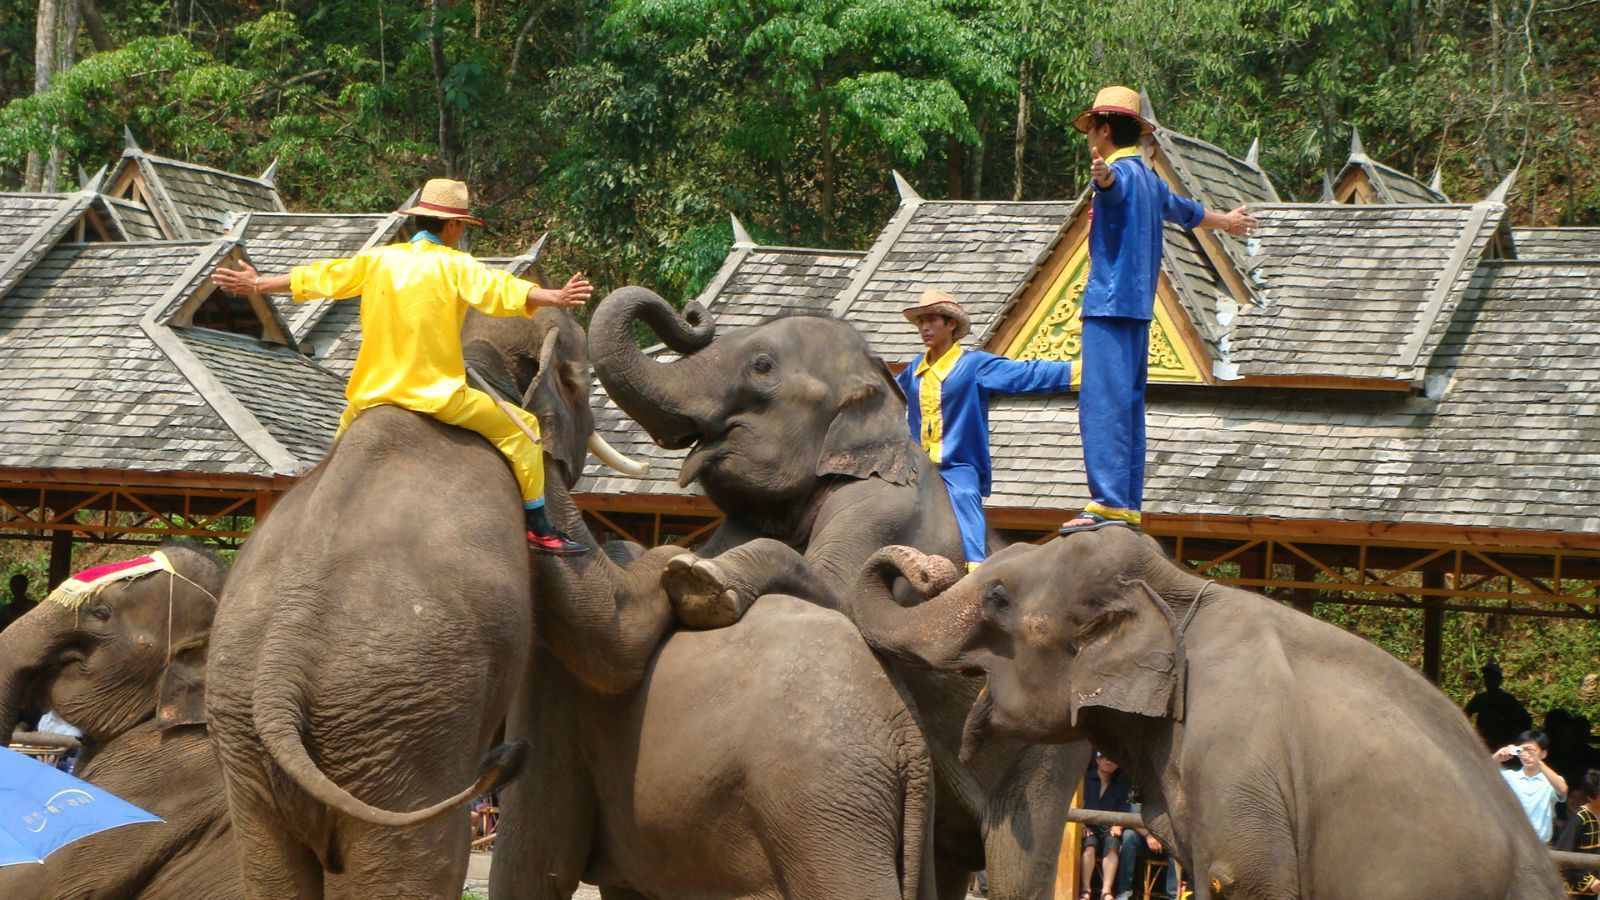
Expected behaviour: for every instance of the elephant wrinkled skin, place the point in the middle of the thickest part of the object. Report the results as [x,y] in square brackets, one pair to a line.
[1281,756]
[798,434]
[108,668]
[377,625]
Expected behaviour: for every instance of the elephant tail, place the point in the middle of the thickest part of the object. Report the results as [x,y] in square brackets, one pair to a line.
[279,712]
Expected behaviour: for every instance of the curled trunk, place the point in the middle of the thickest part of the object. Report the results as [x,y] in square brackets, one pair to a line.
[27,648]
[932,633]
[671,400]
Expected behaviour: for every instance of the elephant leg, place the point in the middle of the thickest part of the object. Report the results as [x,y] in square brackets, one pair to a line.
[951,881]
[714,593]
[275,866]
[1025,819]
[424,861]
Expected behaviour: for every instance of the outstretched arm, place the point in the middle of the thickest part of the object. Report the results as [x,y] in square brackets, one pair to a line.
[245,280]
[1236,222]
[998,375]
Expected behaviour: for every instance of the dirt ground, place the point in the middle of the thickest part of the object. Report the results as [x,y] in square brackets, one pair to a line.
[478,879]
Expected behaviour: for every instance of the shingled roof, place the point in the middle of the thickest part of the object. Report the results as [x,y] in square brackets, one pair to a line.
[1358,291]
[1365,180]
[983,252]
[191,201]
[92,375]
[1556,243]
[756,282]
[281,241]
[1514,420]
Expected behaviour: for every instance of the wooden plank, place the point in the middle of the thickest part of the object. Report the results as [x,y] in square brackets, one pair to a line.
[1326,382]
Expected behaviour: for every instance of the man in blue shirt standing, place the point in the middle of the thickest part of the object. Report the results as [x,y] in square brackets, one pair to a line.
[947,406]
[1130,204]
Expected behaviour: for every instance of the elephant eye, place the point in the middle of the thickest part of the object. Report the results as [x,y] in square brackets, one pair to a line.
[99,613]
[995,600]
[763,364]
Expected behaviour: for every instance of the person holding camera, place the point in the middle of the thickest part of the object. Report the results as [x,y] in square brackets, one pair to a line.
[1537,786]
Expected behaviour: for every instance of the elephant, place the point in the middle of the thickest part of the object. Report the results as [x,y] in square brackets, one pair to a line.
[773,760]
[377,625]
[1281,756]
[127,668]
[798,434]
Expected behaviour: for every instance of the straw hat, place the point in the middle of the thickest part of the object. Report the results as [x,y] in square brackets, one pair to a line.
[940,303]
[443,199]
[1117,100]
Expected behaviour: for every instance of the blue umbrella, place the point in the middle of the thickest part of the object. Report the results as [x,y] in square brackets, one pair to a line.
[42,810]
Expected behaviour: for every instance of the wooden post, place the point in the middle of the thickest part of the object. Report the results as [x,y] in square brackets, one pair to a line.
[1432,626]
[1304,600]
[60,558]
[1067,858]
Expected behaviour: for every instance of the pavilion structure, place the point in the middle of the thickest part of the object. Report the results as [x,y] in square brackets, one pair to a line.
[137,401]
[1385,398]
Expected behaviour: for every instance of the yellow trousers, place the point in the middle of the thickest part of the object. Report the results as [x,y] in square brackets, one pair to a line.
[476,411]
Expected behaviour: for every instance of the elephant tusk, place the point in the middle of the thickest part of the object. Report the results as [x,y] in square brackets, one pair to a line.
[614,458]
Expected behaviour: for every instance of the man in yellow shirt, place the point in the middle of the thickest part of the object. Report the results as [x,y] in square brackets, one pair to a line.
[414,299]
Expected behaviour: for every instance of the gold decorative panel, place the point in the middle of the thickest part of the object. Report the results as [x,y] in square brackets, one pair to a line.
[1054,330]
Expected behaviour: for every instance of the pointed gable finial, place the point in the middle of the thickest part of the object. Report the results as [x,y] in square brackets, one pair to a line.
[94,183]
[1503,189]
[1436,183]
[1147,110]
[233,226]
[83,178]
[741,237]
[127,139]
[1253,158]
[271,172]
[537,250]
[1327,189]
[412,200]
[1356,150]
[907,192]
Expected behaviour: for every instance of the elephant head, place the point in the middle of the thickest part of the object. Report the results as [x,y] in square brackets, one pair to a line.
[769,411]
[136,649]
[543,363]
[1057,629]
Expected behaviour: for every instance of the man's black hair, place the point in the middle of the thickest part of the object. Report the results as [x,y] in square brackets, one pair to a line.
[1537,736]
[1125,130]
[1590,784]
[427,223]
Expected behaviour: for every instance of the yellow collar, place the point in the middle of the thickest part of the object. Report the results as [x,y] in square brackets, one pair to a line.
[1122,153]
[942,368]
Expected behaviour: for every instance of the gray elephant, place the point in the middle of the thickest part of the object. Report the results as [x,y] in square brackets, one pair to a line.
[798,435]
[377,625]
[127,668]
[1281,756]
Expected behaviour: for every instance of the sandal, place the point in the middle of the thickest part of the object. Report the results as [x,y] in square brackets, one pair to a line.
[1096,522]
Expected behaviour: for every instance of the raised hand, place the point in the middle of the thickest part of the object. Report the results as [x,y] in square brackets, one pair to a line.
[236,281]
[1239,223]
[1098,170]
[577,292]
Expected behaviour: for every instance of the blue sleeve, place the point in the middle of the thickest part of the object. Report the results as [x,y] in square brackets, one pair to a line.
[1182,211]
[1118,192]
[998,375]
[903,378]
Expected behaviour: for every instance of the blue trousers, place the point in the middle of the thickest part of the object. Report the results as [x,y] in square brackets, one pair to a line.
[967,500]
[1111,414]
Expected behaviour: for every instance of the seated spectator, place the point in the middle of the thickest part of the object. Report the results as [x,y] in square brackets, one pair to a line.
[1537,786]
[1583,835]
[1106,788]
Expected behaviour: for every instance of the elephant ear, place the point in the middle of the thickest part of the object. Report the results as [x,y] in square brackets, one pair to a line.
[181,697]
[868,435]
[1131,656]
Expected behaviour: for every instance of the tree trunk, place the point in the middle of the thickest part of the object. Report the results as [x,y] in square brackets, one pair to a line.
[1020,143]
[46,33]
[447,153]
[953,165]
[95,24]
[825,138]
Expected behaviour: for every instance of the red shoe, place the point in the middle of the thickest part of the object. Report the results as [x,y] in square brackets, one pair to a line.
[556,544]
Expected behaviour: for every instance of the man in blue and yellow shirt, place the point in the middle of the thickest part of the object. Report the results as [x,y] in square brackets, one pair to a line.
[414,299]
[1125,224]
[947,406]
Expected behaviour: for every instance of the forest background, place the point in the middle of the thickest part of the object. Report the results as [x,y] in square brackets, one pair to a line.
[630,129]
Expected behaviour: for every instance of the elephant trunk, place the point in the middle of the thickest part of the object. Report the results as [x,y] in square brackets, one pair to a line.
[27,649]
[673,401]
[933,633]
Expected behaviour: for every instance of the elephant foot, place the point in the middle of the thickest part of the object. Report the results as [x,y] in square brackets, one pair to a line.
[700,592]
